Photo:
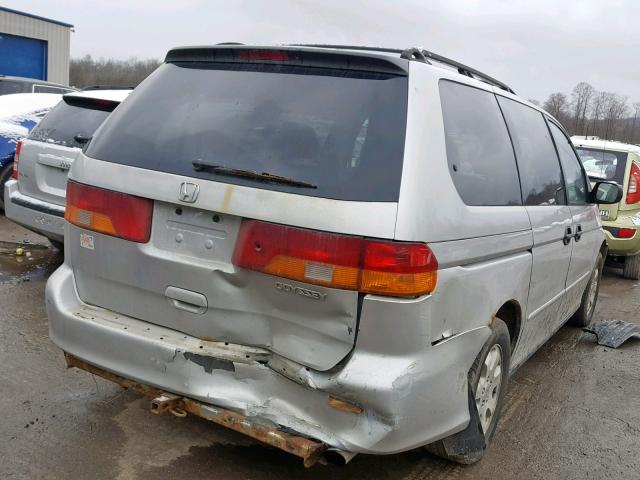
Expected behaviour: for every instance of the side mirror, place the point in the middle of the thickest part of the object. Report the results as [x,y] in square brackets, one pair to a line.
[606,193]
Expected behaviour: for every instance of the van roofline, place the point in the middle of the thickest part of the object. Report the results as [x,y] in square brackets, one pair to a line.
[390,54]
[373,61]
[422,55]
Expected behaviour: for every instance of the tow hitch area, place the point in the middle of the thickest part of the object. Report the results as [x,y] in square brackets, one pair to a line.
[613,333]
[311,451]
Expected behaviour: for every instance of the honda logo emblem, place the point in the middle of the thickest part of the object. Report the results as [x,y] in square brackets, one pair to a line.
[189,192]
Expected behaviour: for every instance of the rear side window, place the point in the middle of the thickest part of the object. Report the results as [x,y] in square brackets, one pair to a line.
[479,151]
[573,174]
[8,87]
[47,89]
[341,131]
[538,164]
[64,122]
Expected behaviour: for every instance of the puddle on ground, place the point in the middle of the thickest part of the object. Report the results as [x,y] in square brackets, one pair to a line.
[37,261]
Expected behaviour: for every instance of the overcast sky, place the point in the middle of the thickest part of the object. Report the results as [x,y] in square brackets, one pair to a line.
[537,47]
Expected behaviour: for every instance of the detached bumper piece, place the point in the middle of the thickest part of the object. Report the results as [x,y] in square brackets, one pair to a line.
[613,333]
[311,451]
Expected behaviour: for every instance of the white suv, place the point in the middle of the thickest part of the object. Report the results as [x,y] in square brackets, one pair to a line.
[35,198]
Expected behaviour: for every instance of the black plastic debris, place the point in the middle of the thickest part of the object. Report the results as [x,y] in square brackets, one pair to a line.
[613,333]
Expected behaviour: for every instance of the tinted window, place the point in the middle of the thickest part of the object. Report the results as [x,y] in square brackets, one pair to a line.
[9,86]
[538,164]
[64,122]
[603,164]
[573,174]
[479,151]
[342,131]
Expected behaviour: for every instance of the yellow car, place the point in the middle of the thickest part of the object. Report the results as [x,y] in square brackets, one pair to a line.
[619,162]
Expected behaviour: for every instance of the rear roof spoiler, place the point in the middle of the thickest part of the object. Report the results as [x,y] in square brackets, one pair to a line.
[91,103]
[289,55]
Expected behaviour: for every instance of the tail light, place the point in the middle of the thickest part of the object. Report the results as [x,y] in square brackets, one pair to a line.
[112,213]
[633,190]
[337,261]
[621,232]
[263,55]
[16,159]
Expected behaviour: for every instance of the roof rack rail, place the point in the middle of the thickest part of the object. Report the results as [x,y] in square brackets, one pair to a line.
[421,55]
[467,71]
[347,47]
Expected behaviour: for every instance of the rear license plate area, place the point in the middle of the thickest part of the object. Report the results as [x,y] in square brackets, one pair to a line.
[194,233]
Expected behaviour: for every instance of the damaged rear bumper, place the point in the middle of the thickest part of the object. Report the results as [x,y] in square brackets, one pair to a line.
[310,451]
[402,398]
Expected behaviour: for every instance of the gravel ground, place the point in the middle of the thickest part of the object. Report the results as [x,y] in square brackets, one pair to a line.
[573,410]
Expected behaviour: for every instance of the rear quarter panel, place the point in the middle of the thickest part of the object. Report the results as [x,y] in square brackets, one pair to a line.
[483,252]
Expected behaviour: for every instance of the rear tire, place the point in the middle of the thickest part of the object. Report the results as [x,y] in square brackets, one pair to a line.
[488,379]
[631,267]
[5,174]
[583,316]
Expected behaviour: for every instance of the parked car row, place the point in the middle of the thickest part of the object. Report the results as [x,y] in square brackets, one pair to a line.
[335,250]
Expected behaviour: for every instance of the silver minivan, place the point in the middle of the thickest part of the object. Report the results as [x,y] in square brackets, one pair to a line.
[35,198]
[334,250]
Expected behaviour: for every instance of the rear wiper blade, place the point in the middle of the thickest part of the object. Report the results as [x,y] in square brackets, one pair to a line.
[200,166]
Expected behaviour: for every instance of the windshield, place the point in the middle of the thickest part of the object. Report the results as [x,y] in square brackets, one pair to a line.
[64,122]
[342,131]
[603,164]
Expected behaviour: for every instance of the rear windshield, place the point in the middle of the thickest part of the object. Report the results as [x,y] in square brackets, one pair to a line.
[340,131]
[64,122]
[603,164]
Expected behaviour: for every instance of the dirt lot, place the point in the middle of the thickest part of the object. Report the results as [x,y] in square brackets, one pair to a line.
[573,410]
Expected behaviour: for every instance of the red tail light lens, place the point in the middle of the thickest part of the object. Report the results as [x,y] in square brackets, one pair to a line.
[112,213]
[633,190]
[621,232]
[263,56]
[337,261]
[16,159]
[626,233]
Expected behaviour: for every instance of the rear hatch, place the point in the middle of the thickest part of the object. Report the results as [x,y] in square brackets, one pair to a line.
[219,136]
[53,145]
[606,165]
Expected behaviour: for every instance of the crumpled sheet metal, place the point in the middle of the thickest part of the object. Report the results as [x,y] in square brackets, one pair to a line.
[613,333]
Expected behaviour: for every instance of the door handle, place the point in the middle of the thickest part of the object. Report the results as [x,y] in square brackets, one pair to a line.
[578,233]
[567,236]
[192,302]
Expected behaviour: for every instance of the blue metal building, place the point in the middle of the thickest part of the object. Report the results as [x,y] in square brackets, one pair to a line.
[34,47]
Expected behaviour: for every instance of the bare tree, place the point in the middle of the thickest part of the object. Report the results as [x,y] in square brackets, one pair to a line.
[558,106]
[87,71]
[596,113]
[580,100]
[615,110]
[632,137]
[534,101]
